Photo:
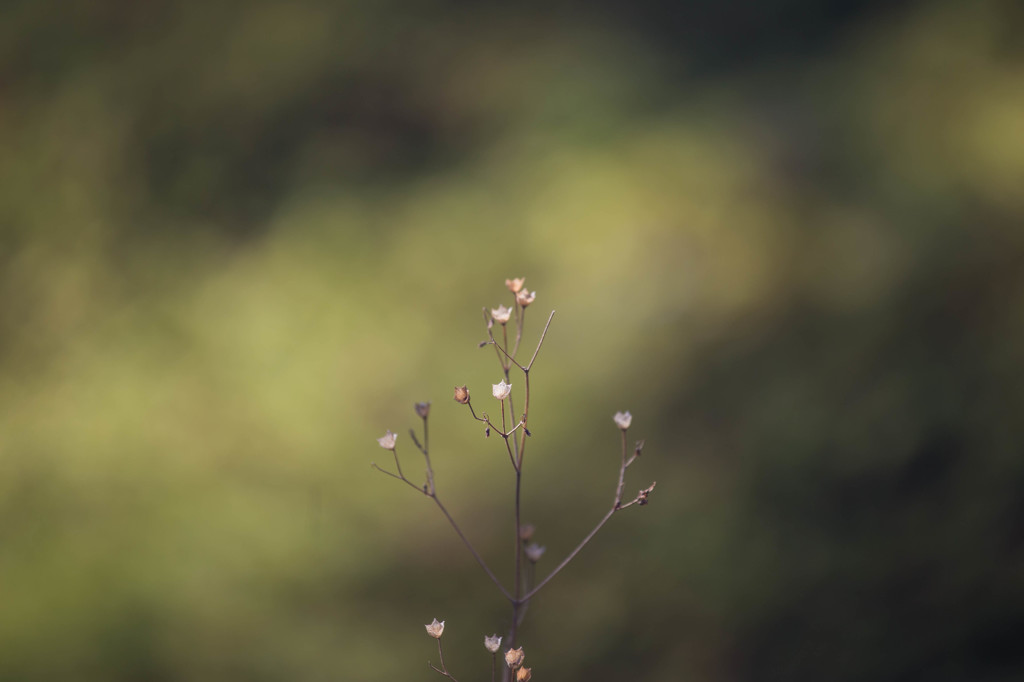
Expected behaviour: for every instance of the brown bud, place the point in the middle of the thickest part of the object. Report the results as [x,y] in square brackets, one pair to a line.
[514,285]
[523,675]
[423,409]
[526,532]
[461,395]
[638,450]
[514,657]
[642,495]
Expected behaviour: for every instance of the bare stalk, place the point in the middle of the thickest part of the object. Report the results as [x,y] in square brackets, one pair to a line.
[430,492]
[443,669]
[617,505]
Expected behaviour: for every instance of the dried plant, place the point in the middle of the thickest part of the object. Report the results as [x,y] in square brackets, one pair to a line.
[514,433]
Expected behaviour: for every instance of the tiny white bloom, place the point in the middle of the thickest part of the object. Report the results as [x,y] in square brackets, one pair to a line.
[623,419]
[501,314]
[435,629]
[514,285]
[387,441]
[501,390]
[492,643]
[534,552]
[525,298]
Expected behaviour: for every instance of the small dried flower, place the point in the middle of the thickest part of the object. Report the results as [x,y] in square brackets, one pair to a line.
[526,532]
[501,390]
[461,395]
[435,629]
[423,409]
[623,419]
[523,675]
[387,441]
[514,657]
[501,314]
[534,552]
[514,285]
[525,298]
[639,448]
[492,643]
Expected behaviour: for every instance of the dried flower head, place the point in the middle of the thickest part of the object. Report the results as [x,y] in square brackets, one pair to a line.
[623,419]
[525,298]
[523,675]
[435,629]
[501,314]
[461,395]
[423,409]
[526,531]
[534,552]
[501,390]
[492,643]
[514,285]
[514,657]
[387,441]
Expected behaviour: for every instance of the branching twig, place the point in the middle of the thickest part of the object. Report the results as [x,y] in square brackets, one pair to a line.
[524,586]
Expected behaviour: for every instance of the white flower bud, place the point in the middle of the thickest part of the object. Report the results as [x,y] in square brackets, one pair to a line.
[501,314]
[501,390]
[534,552]
[435,629]
[492,643]
[525,298]
[623,419]
[387,441]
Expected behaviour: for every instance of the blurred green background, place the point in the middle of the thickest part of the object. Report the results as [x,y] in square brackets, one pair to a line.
[239,240]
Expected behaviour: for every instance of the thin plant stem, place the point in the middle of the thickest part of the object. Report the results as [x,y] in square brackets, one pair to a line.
[443,669]
[541,342]
[432,494]
[516,601]
[616,506]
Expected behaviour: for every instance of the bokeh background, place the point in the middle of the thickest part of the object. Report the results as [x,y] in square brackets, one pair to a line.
[239,240]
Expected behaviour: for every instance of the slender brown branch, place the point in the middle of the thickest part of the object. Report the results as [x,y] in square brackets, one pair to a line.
[616,506]
[572,555]
[430,492]
[443,669]
[472,550]
[520,318]
[517,602]
[511,360]
[403,479]
[539,343]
